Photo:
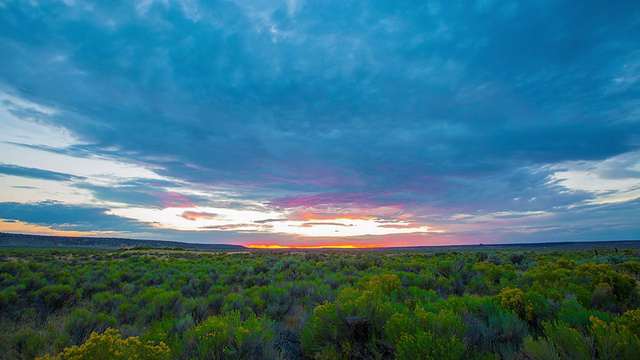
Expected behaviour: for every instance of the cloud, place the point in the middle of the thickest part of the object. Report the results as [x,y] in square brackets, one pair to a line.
[319,200]
[65,217]
[16,170]
[314,224]
[193,215]
[388,111]
[616,179]
[266,220]
[22,189]
[22,227]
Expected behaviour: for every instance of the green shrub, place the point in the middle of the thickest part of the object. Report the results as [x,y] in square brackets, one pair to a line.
[494,330]
[444,324]
[228,336]
[561,342]
[609,289]
[169,331]
[287,345]
[353,324]
[631,319]
[570,343]
[156,304]
[82,323]
[505,333]
[107,302]
[577,316]
[53,297]
[127,313]
[428,345]
[236,302]
[274,301]
[613,341]
[28,344]
[630,268]
[540,349]
[426,335]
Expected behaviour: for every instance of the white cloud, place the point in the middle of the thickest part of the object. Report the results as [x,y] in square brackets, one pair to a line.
[612,180]
[348,227]
[34,129]
[261,219]
[172,218]
[28,140]
[30,129]
[25,190]
[99,171]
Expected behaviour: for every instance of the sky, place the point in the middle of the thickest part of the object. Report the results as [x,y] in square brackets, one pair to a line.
[309,123]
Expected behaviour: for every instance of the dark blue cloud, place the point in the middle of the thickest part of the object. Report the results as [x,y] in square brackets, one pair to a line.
[20,171]
[61,216]
[65,217]
[427,104]
[144,193]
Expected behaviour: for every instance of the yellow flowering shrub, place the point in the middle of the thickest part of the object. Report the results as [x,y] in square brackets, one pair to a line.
[631,319]
[622,288]
[515,300]
[614,341]
[386,284]
[110,345]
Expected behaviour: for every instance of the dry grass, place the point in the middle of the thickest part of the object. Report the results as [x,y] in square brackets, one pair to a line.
[293,319]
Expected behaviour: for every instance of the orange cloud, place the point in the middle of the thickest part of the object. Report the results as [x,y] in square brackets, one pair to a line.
[309,216]
[193,215]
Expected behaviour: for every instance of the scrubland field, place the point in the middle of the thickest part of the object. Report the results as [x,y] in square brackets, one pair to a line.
[431,304]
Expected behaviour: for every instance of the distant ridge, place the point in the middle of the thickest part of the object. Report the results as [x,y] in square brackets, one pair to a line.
[545,245]
[28,241]
[32,241]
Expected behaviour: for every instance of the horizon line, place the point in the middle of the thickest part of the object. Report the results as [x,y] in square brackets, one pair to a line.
[329,246]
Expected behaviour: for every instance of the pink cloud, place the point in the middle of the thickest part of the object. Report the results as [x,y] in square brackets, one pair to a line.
[360,200]
[193,215]
[176,200]
[306,215]
[312,224]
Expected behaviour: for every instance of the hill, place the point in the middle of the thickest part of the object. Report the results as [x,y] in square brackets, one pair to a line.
[26,240]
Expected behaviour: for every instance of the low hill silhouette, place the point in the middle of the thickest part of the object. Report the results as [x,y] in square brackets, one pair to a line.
[28,240]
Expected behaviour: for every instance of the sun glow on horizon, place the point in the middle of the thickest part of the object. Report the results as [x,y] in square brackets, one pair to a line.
[258,218]
[314,247]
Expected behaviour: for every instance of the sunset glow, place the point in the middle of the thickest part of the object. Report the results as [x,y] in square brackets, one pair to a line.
[314,247]
[25,228]
[257,218]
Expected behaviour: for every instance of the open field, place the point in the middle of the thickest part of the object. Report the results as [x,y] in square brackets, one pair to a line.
[442,303]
